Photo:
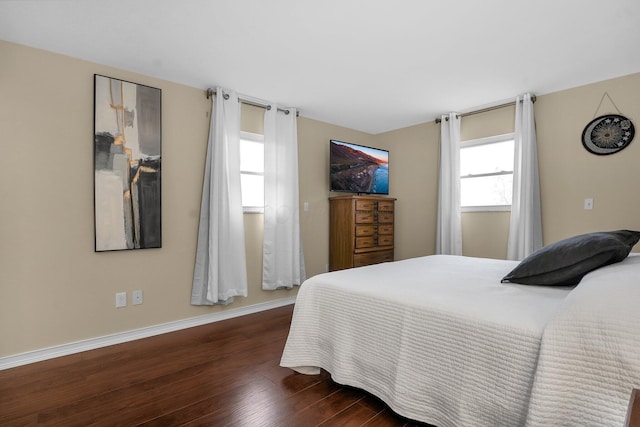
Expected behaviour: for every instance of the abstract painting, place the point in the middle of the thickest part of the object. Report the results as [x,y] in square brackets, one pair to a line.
[127,165]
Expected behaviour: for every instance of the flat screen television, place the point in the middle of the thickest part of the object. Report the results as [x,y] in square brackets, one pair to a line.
[358,169]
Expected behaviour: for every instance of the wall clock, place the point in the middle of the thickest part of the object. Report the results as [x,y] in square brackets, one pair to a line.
[608,134]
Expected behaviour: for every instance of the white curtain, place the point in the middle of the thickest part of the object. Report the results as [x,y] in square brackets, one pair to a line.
[282,257]
[220,270]
[525,228]
[449,228]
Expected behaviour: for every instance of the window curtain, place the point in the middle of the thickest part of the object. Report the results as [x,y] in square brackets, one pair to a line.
[282,257]
[525,228]
[449,228]
[220,271]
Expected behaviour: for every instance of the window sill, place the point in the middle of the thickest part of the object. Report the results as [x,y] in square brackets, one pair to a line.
[502,208]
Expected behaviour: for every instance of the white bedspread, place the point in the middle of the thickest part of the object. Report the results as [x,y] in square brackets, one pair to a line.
[590,354]
[438,338]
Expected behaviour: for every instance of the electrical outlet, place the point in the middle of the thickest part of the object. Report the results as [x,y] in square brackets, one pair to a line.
[121,299]
[137,297]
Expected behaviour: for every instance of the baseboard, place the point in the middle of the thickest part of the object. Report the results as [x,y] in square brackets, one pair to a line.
[13,361]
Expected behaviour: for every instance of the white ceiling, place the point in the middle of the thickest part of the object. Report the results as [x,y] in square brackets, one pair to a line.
[370,65]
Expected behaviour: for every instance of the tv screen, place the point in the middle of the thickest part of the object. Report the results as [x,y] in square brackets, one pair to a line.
[358,169]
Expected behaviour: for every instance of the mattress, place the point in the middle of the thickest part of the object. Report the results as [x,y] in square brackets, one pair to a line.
[438,338]
[590,353]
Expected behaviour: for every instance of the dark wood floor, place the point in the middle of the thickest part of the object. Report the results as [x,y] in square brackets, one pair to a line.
[223,374]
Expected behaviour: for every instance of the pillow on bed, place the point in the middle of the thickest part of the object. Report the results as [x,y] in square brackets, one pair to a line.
[567,261]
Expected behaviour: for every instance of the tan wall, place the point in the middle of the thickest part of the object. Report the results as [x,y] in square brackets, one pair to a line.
[414,164]
[489,123]
[413,180]
[313,162]
[485,234]
[55,289]
[568,173]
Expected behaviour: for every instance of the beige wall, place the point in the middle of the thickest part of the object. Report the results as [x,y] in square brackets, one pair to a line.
[313,162]
[484,234]
[568,173]
[55,289]
[413,180]
[414,163]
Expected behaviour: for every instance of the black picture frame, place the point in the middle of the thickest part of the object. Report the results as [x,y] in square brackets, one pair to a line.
[608,134]
[127,147]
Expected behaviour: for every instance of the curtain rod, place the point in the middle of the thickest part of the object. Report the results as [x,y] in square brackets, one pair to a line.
[484,110]
[210,92]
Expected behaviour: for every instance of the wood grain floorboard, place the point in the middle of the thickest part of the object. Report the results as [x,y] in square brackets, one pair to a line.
[222,374]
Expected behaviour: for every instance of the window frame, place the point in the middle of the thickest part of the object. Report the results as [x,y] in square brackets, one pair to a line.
[487,141]
[253,137]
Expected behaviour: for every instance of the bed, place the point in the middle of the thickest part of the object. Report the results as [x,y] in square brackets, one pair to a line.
[441,340]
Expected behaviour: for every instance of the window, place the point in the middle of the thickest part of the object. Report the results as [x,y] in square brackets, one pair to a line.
[252,171]
[486,173]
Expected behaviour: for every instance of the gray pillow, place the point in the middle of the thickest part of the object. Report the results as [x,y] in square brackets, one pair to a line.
[567,261]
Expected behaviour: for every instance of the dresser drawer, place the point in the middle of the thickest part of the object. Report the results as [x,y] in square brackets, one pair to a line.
[385,205]
[366,230]
[385,240]
[361,230]
[377,257]
[365,205]
[385,229]
[366,242]
[385,217]
[365,217]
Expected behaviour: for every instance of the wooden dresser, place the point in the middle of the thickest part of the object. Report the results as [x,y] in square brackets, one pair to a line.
[360,231]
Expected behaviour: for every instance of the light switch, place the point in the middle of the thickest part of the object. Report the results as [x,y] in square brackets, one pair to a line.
[588,204]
